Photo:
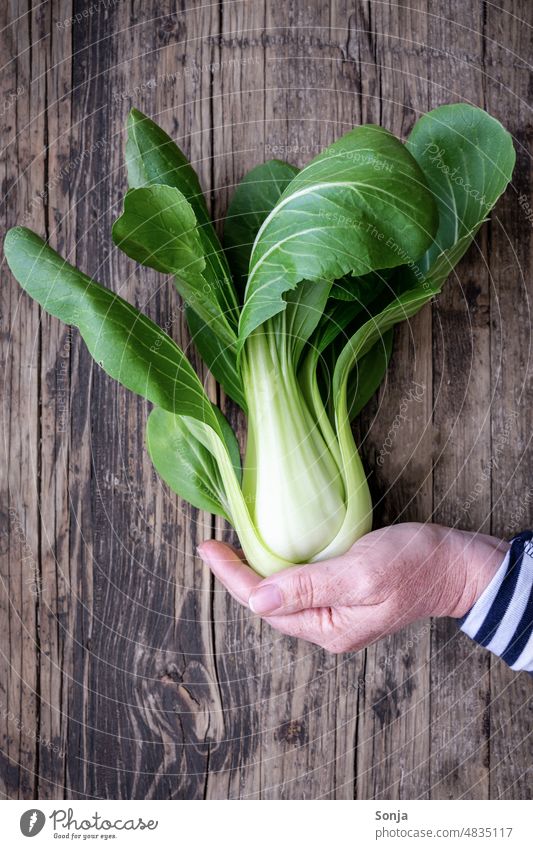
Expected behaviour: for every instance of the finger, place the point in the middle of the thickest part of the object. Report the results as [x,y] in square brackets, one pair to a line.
[341,581]
[304,625]
[337,630]
[230,570]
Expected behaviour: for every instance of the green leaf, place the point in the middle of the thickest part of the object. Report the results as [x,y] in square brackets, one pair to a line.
[343,317]
[337,317]
[338,325]
[254,198]
[362,288]
[158,229]
[365,379]
[360,206]
[123,341]
[372,331]
[444,264]
[187,466]
[291,329]
[153,158]
[221,359]
[304,310]
[467,158]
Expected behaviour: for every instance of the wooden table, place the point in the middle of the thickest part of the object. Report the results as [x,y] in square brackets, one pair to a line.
[126,672]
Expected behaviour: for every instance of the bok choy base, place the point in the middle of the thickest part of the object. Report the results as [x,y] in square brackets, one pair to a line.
[293,316]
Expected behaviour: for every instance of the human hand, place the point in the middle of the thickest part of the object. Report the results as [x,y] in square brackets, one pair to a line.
[388,579]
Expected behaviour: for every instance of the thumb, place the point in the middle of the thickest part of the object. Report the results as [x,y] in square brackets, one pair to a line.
[338,582]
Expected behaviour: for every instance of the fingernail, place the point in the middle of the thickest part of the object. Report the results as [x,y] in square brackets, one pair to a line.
[265,599]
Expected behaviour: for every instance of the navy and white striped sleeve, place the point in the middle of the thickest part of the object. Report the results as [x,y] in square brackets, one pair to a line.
[502,617]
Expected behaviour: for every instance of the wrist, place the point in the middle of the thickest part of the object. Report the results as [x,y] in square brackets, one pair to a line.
[476,558]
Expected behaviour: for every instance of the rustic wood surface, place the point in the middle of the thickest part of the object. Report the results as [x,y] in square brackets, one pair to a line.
[125,671]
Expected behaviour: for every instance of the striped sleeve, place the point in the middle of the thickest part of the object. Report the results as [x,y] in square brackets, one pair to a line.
[502,617]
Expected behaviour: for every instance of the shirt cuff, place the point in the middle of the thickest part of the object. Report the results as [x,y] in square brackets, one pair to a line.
[502,617]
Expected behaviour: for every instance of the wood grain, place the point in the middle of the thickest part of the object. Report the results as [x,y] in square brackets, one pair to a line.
[125,671]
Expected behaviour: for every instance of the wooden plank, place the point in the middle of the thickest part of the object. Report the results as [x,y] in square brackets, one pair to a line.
[509,42]
[461,436]
[21,569]
[55,658]
[352,98]
[238,59]
[150,686]
[299,746]
[394,721]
